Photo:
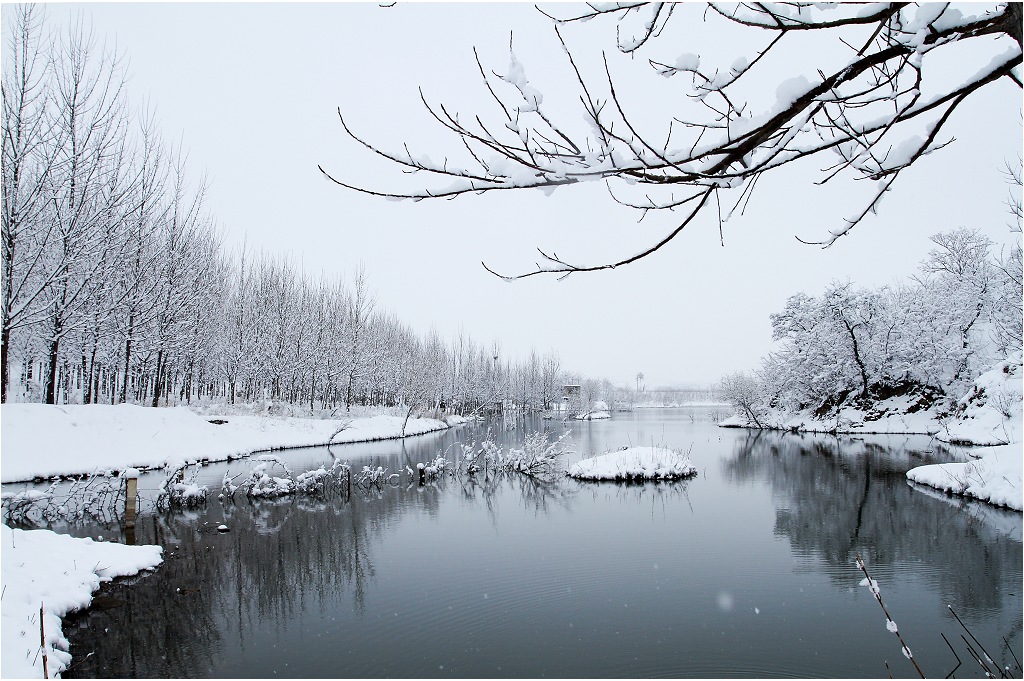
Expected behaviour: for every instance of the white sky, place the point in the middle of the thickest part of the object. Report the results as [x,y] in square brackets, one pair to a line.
[252,92]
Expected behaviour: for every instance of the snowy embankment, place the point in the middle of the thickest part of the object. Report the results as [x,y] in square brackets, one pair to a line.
[634,463]
[989,415]
[995,477]
[58,573]
[896,415]
[43,441]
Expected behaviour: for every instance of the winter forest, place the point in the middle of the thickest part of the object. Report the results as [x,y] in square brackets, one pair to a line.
[116,287]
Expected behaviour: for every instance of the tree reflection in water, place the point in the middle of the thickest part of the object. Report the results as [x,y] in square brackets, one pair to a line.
[279,559]
[836,497]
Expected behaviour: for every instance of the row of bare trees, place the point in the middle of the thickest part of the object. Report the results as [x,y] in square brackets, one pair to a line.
[116,287]
[104,238]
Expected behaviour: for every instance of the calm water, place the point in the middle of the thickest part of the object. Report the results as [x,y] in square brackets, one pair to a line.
[746,570]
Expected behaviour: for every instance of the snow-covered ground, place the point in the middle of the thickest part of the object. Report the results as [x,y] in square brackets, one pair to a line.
[634,463]
[42,441]
[58,573]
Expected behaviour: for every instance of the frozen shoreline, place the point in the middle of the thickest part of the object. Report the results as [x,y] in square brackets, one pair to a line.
[46,441]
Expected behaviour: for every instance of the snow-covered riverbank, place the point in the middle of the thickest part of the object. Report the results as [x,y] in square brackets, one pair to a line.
[43,569]
[988,417]
[42,441]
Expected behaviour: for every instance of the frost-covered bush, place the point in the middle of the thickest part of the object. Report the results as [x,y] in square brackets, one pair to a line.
[27,505]
[318,482]
[538,457]
[376,477]
[435,468]
[176,492]
[484,456]
[271,478]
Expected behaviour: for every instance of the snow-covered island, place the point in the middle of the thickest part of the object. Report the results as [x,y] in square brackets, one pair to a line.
[52,574]
[44,441]
[634,463]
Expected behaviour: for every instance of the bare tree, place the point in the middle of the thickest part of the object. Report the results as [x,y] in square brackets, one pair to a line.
[182,271]
[872,106]
[745,393]
[359,310]
[89,187]
[138,302]
[28,157]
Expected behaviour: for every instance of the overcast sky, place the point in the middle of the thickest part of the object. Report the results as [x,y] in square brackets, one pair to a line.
[252,91]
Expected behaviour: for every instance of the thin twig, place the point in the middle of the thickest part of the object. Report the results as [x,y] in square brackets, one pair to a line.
[958,660]
[873,586]
[42,639]
[971,635]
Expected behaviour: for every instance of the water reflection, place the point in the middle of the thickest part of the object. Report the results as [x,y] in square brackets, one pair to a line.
[839,497]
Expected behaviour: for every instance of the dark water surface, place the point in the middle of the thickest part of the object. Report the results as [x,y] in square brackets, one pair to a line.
[745,570]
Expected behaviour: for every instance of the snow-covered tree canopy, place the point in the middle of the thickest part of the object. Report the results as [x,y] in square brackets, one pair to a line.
[864,89]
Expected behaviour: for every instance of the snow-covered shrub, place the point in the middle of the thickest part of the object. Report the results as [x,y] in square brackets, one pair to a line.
[176,492]
[538,457]
[485,456]
[320,481]
[375,476]
[27,505]
[435,468]
[272,478]
[262,484]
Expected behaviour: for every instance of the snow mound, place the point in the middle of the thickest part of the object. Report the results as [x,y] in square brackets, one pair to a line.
[58,573]
[634,463]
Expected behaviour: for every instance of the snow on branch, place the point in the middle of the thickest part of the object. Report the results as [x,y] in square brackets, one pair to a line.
[867,110]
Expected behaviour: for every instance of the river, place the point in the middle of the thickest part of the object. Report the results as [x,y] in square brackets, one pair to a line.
[747,569]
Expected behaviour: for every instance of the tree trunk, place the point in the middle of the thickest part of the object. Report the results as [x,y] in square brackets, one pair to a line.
[5,343]
[157,379]
[50,396]
[127,357]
